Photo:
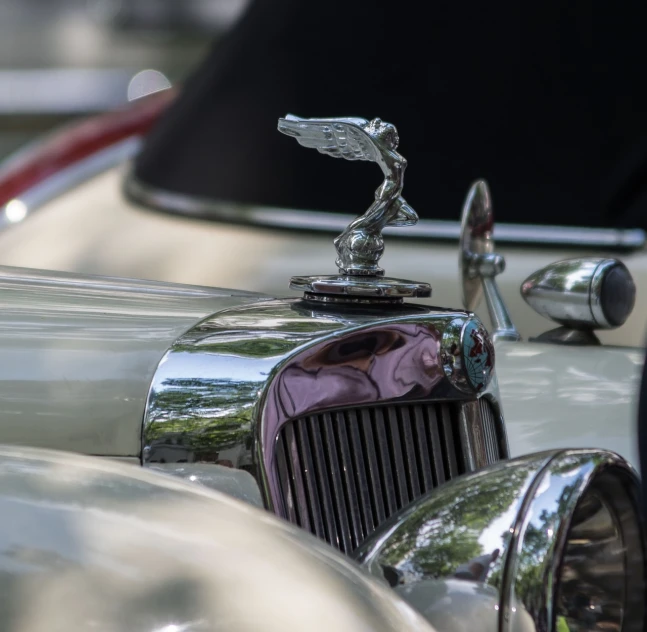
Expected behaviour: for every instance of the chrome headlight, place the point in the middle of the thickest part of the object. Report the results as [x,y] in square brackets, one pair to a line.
[551,541]
[588,293]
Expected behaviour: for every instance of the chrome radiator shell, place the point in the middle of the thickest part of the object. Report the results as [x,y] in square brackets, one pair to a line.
[226,388]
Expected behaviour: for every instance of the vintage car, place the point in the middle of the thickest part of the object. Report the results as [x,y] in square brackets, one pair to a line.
[374,422]
[548,542]
[76,203]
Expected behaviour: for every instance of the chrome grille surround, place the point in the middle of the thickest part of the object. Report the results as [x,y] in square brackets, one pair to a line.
[344,472]
[223,392]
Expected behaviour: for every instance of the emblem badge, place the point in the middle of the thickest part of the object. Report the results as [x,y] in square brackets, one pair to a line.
[361,245]
[478,355]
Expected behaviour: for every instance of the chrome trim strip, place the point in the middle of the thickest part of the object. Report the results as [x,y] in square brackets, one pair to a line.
[321,221]
[17,209]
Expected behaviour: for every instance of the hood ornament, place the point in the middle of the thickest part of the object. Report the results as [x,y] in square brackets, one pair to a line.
[361,245]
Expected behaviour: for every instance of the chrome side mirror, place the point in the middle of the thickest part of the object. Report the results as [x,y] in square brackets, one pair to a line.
[581,295]
[479,264]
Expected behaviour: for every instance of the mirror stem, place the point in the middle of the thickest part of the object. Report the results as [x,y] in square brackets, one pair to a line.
[487,266]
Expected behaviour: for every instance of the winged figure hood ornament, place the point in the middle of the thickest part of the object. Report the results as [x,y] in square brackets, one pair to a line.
[361,245]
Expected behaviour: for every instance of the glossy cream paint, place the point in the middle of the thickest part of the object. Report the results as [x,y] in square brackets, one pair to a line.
[566,397]
[93,229]
[78,355]
[89,544]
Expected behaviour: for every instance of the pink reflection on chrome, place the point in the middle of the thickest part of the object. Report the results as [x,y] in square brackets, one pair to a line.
[399,362]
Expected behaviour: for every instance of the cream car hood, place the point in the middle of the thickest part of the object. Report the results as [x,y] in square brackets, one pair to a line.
[79,353]
[565,397]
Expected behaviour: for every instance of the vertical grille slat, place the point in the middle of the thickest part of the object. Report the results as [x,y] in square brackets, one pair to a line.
[395,448]
[436,453]
[361,468]
[285,480]
[350,485]
[421,447]
[489,431]
[296,474]
[386,472]
[409,451]
[325,493]
[314,507]
[373,472]
[343,473]
[336,484]
[448,447]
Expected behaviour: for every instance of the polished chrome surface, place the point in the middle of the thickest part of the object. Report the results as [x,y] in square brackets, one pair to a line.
[348,287]
[383,362]
[518,528]
[478,263]
[573,293]
[343,473]
[79,353]
[428,229]
[225,389]
[490,442]
[592,589]
[360,246]
[87,544]
[477,223]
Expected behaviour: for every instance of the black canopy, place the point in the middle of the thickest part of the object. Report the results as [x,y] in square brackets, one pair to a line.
[545,100]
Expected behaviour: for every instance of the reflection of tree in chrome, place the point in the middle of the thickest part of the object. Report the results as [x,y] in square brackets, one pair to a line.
[202,415]
[536,545]
[460,513]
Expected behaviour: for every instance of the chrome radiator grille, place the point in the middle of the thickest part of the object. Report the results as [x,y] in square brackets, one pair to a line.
[490,435]
[343,473]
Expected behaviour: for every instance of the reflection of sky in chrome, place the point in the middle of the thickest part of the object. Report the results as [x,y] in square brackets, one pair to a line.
[235,368]
[546,498]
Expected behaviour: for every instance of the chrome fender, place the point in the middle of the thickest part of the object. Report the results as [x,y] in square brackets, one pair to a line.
[543,540]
